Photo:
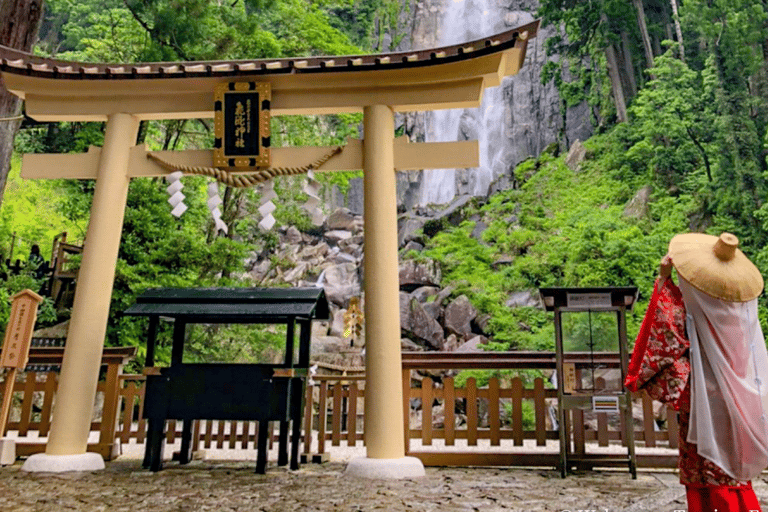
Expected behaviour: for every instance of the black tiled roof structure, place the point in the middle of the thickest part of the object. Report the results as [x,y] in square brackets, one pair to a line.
[14,61]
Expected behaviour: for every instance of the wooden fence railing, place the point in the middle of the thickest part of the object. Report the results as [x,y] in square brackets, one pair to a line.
[37,390]
[333,415]
[510,394]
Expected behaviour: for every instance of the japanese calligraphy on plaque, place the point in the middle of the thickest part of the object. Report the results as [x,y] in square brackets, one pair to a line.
[18,334]
[241,114]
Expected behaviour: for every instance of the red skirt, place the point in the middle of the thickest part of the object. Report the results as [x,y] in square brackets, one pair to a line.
[721,498]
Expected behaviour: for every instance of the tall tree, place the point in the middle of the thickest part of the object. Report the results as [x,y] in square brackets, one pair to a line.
[644,31]
[18,30]
[588,30]
[678,29]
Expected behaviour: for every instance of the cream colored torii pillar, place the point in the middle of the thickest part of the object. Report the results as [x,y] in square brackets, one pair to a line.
[385,445]
[68,440]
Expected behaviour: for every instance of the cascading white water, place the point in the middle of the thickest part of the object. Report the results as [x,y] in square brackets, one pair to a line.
[467,20]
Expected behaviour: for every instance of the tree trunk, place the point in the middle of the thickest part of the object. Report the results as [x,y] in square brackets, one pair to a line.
[613,73]
[18,30]
[644,32]
[629,67]
[678,29]
[618,89]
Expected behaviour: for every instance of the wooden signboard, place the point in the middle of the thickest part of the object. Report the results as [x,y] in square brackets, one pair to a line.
[241,115]
[18,336]
[18,333]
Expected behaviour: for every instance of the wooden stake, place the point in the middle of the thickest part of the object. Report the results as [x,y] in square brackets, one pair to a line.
[10,380]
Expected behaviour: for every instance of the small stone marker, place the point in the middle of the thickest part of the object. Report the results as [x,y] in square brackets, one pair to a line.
[15,354]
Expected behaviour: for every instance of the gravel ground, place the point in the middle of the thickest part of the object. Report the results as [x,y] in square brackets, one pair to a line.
[232,485]
[220,482]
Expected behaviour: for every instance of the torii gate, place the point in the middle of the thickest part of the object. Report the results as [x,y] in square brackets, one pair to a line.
[125,94]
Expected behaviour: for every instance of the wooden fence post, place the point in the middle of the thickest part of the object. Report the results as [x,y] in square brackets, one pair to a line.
[110,410]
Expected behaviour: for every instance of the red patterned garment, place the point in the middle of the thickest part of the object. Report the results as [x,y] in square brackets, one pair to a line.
[659,362]
[661,367]
[695,469]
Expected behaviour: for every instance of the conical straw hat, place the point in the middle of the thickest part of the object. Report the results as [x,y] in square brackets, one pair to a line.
[715,266]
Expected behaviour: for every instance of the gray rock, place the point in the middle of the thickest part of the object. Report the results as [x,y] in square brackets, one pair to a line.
[424,326]
[434,310]
[293,235]
[413,246]
[423,293]
[459,315]
[351,244]
[260,270]
[343,257]
[407,229]
[444,294]
[337,324]
[502,261]
[637,207]
[328,345]
[55,331]
[293,275]
[355,196]
[450,344]
[405,311]
[473,345]
[453,212]
[338,235]
[407,345]
[320,328]
[415,274]
[341,283]
[527,298]
[478,230]
[314,251]
[575,156]
[481,322]
[341,219]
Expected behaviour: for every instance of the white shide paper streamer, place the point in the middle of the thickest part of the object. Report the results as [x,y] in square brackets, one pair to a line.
[312,189]
[266,206]
[176,199]
[213,206]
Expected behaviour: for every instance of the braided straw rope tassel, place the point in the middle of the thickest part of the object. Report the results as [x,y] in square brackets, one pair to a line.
[245,180]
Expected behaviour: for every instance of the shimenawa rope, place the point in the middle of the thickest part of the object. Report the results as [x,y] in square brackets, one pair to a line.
[245,180]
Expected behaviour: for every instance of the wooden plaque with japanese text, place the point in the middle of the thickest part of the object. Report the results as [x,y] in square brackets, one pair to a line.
[241,116]
[18,333]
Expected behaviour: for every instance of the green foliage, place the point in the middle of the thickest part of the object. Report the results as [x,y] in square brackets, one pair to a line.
[528,414]
[235,343]
[46,313]
[29,210]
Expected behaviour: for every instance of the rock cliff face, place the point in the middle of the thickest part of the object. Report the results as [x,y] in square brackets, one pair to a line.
[332,257]
[517,120]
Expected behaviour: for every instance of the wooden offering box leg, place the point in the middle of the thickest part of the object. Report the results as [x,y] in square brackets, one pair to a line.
[186,442]
[261,457]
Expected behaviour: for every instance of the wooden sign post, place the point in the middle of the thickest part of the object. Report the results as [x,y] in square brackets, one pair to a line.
[18,336]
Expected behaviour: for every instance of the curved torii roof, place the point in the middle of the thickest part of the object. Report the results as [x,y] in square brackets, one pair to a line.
[438,78]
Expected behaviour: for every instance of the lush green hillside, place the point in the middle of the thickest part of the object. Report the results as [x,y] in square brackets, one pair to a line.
[569,228]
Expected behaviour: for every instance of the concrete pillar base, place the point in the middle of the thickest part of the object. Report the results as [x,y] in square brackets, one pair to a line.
[385,469]
[44,463]
[7,451]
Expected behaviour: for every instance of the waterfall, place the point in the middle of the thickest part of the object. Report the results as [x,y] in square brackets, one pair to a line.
[467,20]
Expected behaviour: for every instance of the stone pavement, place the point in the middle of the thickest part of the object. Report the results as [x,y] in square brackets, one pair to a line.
[229,485]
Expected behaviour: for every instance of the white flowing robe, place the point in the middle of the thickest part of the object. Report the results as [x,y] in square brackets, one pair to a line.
[729,383]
